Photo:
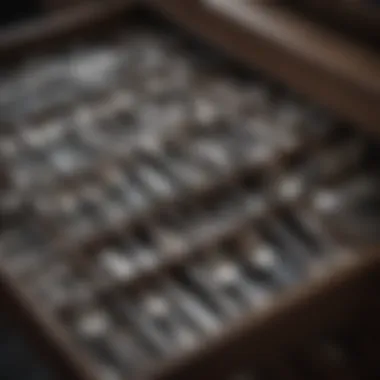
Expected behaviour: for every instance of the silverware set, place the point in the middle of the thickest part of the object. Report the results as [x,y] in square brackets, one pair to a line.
[135,160]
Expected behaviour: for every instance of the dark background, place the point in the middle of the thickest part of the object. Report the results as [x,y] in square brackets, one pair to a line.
[18,360]
[17,10]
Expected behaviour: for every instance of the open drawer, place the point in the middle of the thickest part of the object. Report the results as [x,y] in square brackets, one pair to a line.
[162,205]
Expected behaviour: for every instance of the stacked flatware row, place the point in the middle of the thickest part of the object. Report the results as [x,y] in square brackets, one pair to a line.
[151,93]
[160,199]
